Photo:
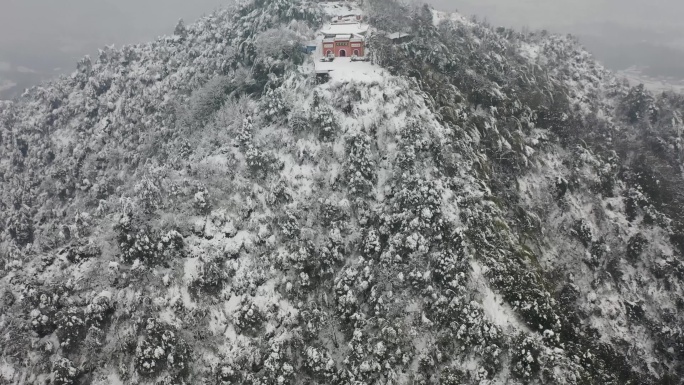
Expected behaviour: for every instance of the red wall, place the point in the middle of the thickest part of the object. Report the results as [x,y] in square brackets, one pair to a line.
[349,48]
[357,46]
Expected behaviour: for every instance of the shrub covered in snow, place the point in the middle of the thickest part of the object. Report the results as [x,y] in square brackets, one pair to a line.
[71,327]
[228,375]
[277,368]
[583,232]
[320,365]
[64,372]
[360,166]
[211,278]
[249,318]
[43,306]
[636,246]
[161,349]
[202,202]
[20,228]
[146,245]
[526,358]
[82,250]
[324,123]
[260,162]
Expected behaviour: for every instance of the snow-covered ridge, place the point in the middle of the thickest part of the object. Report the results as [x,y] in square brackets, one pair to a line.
[439,17]
[466,207]
[341,8]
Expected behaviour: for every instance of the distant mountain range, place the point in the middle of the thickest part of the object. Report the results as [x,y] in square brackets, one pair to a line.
[658,54]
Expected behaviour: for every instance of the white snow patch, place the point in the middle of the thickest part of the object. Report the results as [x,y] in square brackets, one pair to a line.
[191,269]
[340,8]
[344,29]
[655,84]
[530,51]
[168,316]
[216,161]
[495,308]
[178,293]
[220,324]
[342,69]
[7,372]
[300,176]
[438,17]
[111,379]
[232,304]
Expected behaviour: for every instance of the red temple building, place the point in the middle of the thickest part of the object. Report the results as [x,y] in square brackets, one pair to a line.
[345,37]
[344,45]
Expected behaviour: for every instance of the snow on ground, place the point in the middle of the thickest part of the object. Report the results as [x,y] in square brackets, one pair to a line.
[344,70]
[344,29]
[191,269]
[530,51]
[7,372]
[338,8]
[438,17]
[636,76]
[300,176]
[494,306]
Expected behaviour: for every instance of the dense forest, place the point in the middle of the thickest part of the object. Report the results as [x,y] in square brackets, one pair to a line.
[492,207]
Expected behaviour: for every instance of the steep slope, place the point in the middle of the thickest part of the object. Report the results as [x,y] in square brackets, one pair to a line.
[481,206]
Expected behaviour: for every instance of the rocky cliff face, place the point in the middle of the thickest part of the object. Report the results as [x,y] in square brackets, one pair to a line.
[478,206]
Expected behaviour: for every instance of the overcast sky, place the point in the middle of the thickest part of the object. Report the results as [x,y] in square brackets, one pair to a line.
[647,34]
[41,38]
[74,27]
[546,13]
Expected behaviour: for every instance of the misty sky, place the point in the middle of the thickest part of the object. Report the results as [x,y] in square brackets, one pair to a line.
[41,38]
[545,13]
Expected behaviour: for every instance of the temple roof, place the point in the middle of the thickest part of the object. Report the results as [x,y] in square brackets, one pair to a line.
[344,29]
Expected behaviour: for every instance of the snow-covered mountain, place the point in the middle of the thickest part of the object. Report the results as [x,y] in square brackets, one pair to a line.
[472,206]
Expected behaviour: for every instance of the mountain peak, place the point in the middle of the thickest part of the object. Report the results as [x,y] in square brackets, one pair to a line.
[235,204]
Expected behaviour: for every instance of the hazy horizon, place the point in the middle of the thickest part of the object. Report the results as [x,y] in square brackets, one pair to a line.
[37,45]
[645,38]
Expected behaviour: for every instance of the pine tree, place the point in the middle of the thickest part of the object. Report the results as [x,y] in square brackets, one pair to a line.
[181,30]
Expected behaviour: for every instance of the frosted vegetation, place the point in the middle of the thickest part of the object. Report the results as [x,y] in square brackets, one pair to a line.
[480,207]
